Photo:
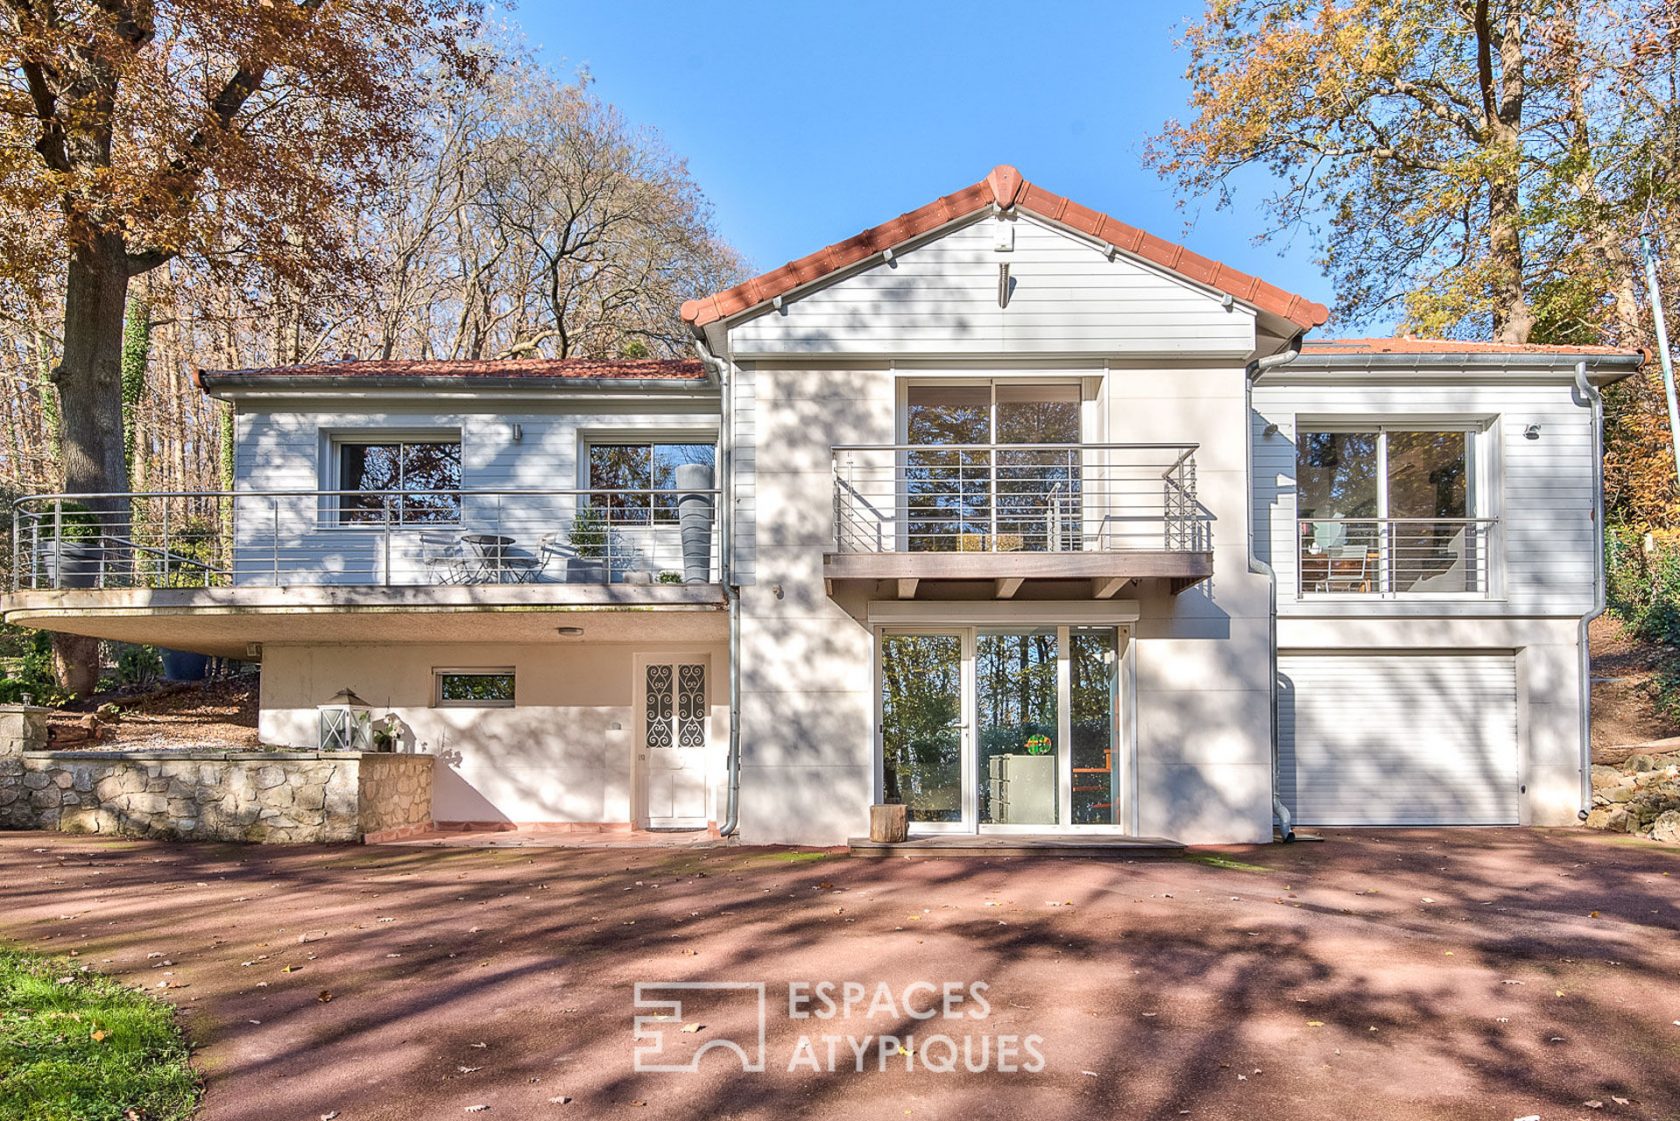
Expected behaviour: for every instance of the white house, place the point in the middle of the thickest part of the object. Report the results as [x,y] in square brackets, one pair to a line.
[1003,510]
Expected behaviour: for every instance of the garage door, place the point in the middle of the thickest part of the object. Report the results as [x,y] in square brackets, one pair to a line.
[1380,739]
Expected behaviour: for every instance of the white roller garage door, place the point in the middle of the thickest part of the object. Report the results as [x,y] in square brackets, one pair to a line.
[1383,739]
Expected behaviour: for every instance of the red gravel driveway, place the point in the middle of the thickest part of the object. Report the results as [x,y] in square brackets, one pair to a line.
[1398,974]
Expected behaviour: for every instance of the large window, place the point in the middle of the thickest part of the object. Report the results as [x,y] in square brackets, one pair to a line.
[407,481]
[643,466]
[994,467]
[1390,510]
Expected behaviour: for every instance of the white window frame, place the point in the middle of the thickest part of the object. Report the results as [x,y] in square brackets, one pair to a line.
[591,438]
[441,672]
[967,620]
[1482,492]
[331,472]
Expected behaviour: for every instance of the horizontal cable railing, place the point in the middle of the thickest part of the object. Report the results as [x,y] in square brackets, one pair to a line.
[1056,498]
[202,539]
[1395,556]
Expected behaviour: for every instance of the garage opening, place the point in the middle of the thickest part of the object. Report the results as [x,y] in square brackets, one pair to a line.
[1398,739]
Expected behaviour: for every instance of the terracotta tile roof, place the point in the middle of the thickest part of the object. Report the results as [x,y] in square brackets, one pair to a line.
[1453,346]
[1005,187]
[638,369]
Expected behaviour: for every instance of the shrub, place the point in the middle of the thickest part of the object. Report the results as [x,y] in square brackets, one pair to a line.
[34,675]
[138,666]
[1642,576]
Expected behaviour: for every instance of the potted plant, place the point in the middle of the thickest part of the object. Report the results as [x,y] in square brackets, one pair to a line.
[69,549]
[589,540]
[387,733]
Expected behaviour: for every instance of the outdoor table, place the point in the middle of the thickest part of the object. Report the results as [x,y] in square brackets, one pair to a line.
[491,550]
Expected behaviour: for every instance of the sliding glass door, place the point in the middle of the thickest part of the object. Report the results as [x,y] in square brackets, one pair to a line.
[1002,729]
[922,726]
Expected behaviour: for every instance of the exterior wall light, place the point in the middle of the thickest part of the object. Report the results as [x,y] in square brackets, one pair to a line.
[1532,432]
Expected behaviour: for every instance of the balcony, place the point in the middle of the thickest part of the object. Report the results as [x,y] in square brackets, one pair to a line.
[990,520]
[1361,558]
[365,539]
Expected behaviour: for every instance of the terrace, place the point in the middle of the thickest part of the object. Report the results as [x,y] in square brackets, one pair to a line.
[989,520]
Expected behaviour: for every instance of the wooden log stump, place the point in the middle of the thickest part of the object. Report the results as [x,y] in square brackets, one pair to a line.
[889,824]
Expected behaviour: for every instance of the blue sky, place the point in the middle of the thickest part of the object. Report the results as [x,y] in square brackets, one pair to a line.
[807,122]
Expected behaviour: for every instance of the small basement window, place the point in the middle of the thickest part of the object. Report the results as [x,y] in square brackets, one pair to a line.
[473,688]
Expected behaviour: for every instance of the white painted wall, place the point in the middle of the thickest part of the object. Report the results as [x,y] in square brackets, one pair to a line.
[289,446]
[1542,489]
[562,754]
[808,700]
[941,297]
[807,689]
[1202,657]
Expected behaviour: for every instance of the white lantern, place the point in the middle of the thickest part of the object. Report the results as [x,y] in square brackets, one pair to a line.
[346,723]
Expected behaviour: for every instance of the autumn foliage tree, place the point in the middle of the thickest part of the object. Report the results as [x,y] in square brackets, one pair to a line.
[1472,168]
[133,132]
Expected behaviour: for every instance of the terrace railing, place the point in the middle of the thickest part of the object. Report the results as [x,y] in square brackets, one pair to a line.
[204,539]
[1395,556]
[1054,498]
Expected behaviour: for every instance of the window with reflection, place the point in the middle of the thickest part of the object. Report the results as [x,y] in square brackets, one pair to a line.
[995,467]
[405,482]
[647,467]
[1389,511]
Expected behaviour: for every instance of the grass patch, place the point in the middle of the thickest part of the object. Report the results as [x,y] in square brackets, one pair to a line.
[1214,860]
[796,857]
[78,1046]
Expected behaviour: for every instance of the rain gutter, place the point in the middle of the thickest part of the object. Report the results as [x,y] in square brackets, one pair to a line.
[1285,820]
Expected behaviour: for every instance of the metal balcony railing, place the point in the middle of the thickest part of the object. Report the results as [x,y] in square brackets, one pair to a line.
[204,539]
[1057,498]
[1395,556]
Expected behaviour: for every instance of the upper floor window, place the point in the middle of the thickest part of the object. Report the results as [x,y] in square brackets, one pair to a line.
[992,412]
[641,468]
[991,466]
[406,481]
[1390,510]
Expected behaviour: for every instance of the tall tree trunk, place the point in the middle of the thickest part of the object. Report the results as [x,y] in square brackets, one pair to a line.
[1502,96]
[89,380]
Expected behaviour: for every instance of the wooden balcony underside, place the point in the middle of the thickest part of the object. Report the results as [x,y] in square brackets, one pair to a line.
[1003,575]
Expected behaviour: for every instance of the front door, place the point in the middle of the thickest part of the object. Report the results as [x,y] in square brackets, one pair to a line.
[1009,729]
[671,743]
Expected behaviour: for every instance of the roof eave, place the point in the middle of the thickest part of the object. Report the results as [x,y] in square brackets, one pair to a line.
[228,383]
[1002,190]
[1603,368]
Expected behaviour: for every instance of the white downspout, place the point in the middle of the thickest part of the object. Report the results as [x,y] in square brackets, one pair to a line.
[726,565]
[1286,824]
[1586,394]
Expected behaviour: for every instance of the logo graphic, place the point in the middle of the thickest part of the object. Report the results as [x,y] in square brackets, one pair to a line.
[671,1037]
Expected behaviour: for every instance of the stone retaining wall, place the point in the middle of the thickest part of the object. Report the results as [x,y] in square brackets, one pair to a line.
[1642,797]
[276,796]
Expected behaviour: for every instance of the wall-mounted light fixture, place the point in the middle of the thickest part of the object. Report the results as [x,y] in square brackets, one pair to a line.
[569,632]
[1532,432]
[517,431]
